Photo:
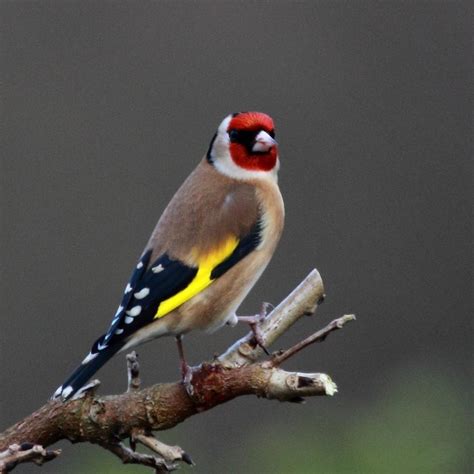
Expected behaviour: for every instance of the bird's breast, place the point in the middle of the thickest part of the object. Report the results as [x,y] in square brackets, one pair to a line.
[272,213]
[217,303]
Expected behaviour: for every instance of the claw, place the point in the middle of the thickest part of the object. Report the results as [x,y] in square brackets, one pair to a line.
[258,336]
[187,377]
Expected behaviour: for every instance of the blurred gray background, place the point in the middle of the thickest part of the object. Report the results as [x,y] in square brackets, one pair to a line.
[107,107]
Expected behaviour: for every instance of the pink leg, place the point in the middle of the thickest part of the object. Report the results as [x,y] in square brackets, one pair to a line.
[186,371]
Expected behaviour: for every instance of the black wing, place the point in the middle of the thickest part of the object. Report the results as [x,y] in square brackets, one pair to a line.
[149,285]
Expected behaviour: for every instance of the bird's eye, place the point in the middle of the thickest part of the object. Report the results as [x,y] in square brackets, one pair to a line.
[234,135]
[242,137]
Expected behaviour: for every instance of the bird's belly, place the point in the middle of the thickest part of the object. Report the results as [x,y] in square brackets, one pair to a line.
[217,304]
[208,310]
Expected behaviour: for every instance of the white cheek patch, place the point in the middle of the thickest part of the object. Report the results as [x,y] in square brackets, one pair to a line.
[220,147]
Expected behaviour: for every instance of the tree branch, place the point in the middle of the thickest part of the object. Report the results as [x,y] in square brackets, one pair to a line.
[302,301]
[26,452]
[107,420]
[318,336]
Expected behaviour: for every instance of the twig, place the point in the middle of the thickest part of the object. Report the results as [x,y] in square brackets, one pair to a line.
[169,453]
[127,456]
[25,452]
[133,372]
[318,336]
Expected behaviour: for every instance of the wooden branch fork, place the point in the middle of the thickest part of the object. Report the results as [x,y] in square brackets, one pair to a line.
[135,414]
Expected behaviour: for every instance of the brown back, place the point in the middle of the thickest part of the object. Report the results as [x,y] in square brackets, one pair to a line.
[205,211]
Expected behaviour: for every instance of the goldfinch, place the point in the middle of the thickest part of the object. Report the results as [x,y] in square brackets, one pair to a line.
[208,249]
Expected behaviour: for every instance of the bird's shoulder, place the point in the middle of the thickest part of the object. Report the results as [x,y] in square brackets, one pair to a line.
[207,211]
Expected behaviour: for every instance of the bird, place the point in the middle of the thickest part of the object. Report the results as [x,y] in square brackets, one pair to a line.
[210,246]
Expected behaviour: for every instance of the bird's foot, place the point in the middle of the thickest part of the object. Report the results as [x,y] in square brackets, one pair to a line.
[187,377]
[186,370]
[254,323]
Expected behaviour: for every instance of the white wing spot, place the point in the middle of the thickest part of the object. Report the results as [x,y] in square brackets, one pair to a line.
[135,311]
[101,346]
[140,265]
[119,331]
[67,391]
[89,357]
[143,293]
[119,310]
[128,289]
[128,320]
[159,268]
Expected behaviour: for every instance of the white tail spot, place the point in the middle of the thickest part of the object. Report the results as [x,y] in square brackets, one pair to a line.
[67,391]
[89,357]
[58,391]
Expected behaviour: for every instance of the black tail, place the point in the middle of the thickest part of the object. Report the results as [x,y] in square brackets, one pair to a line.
[90,365]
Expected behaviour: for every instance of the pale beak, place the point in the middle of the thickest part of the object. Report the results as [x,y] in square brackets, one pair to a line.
[263,142]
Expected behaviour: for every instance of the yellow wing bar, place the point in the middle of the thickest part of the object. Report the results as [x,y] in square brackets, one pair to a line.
[202,279]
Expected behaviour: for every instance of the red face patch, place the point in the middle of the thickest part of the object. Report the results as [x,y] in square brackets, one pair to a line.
[251,121]
[241,151]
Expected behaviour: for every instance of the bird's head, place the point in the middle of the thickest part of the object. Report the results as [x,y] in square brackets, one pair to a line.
[244,146]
